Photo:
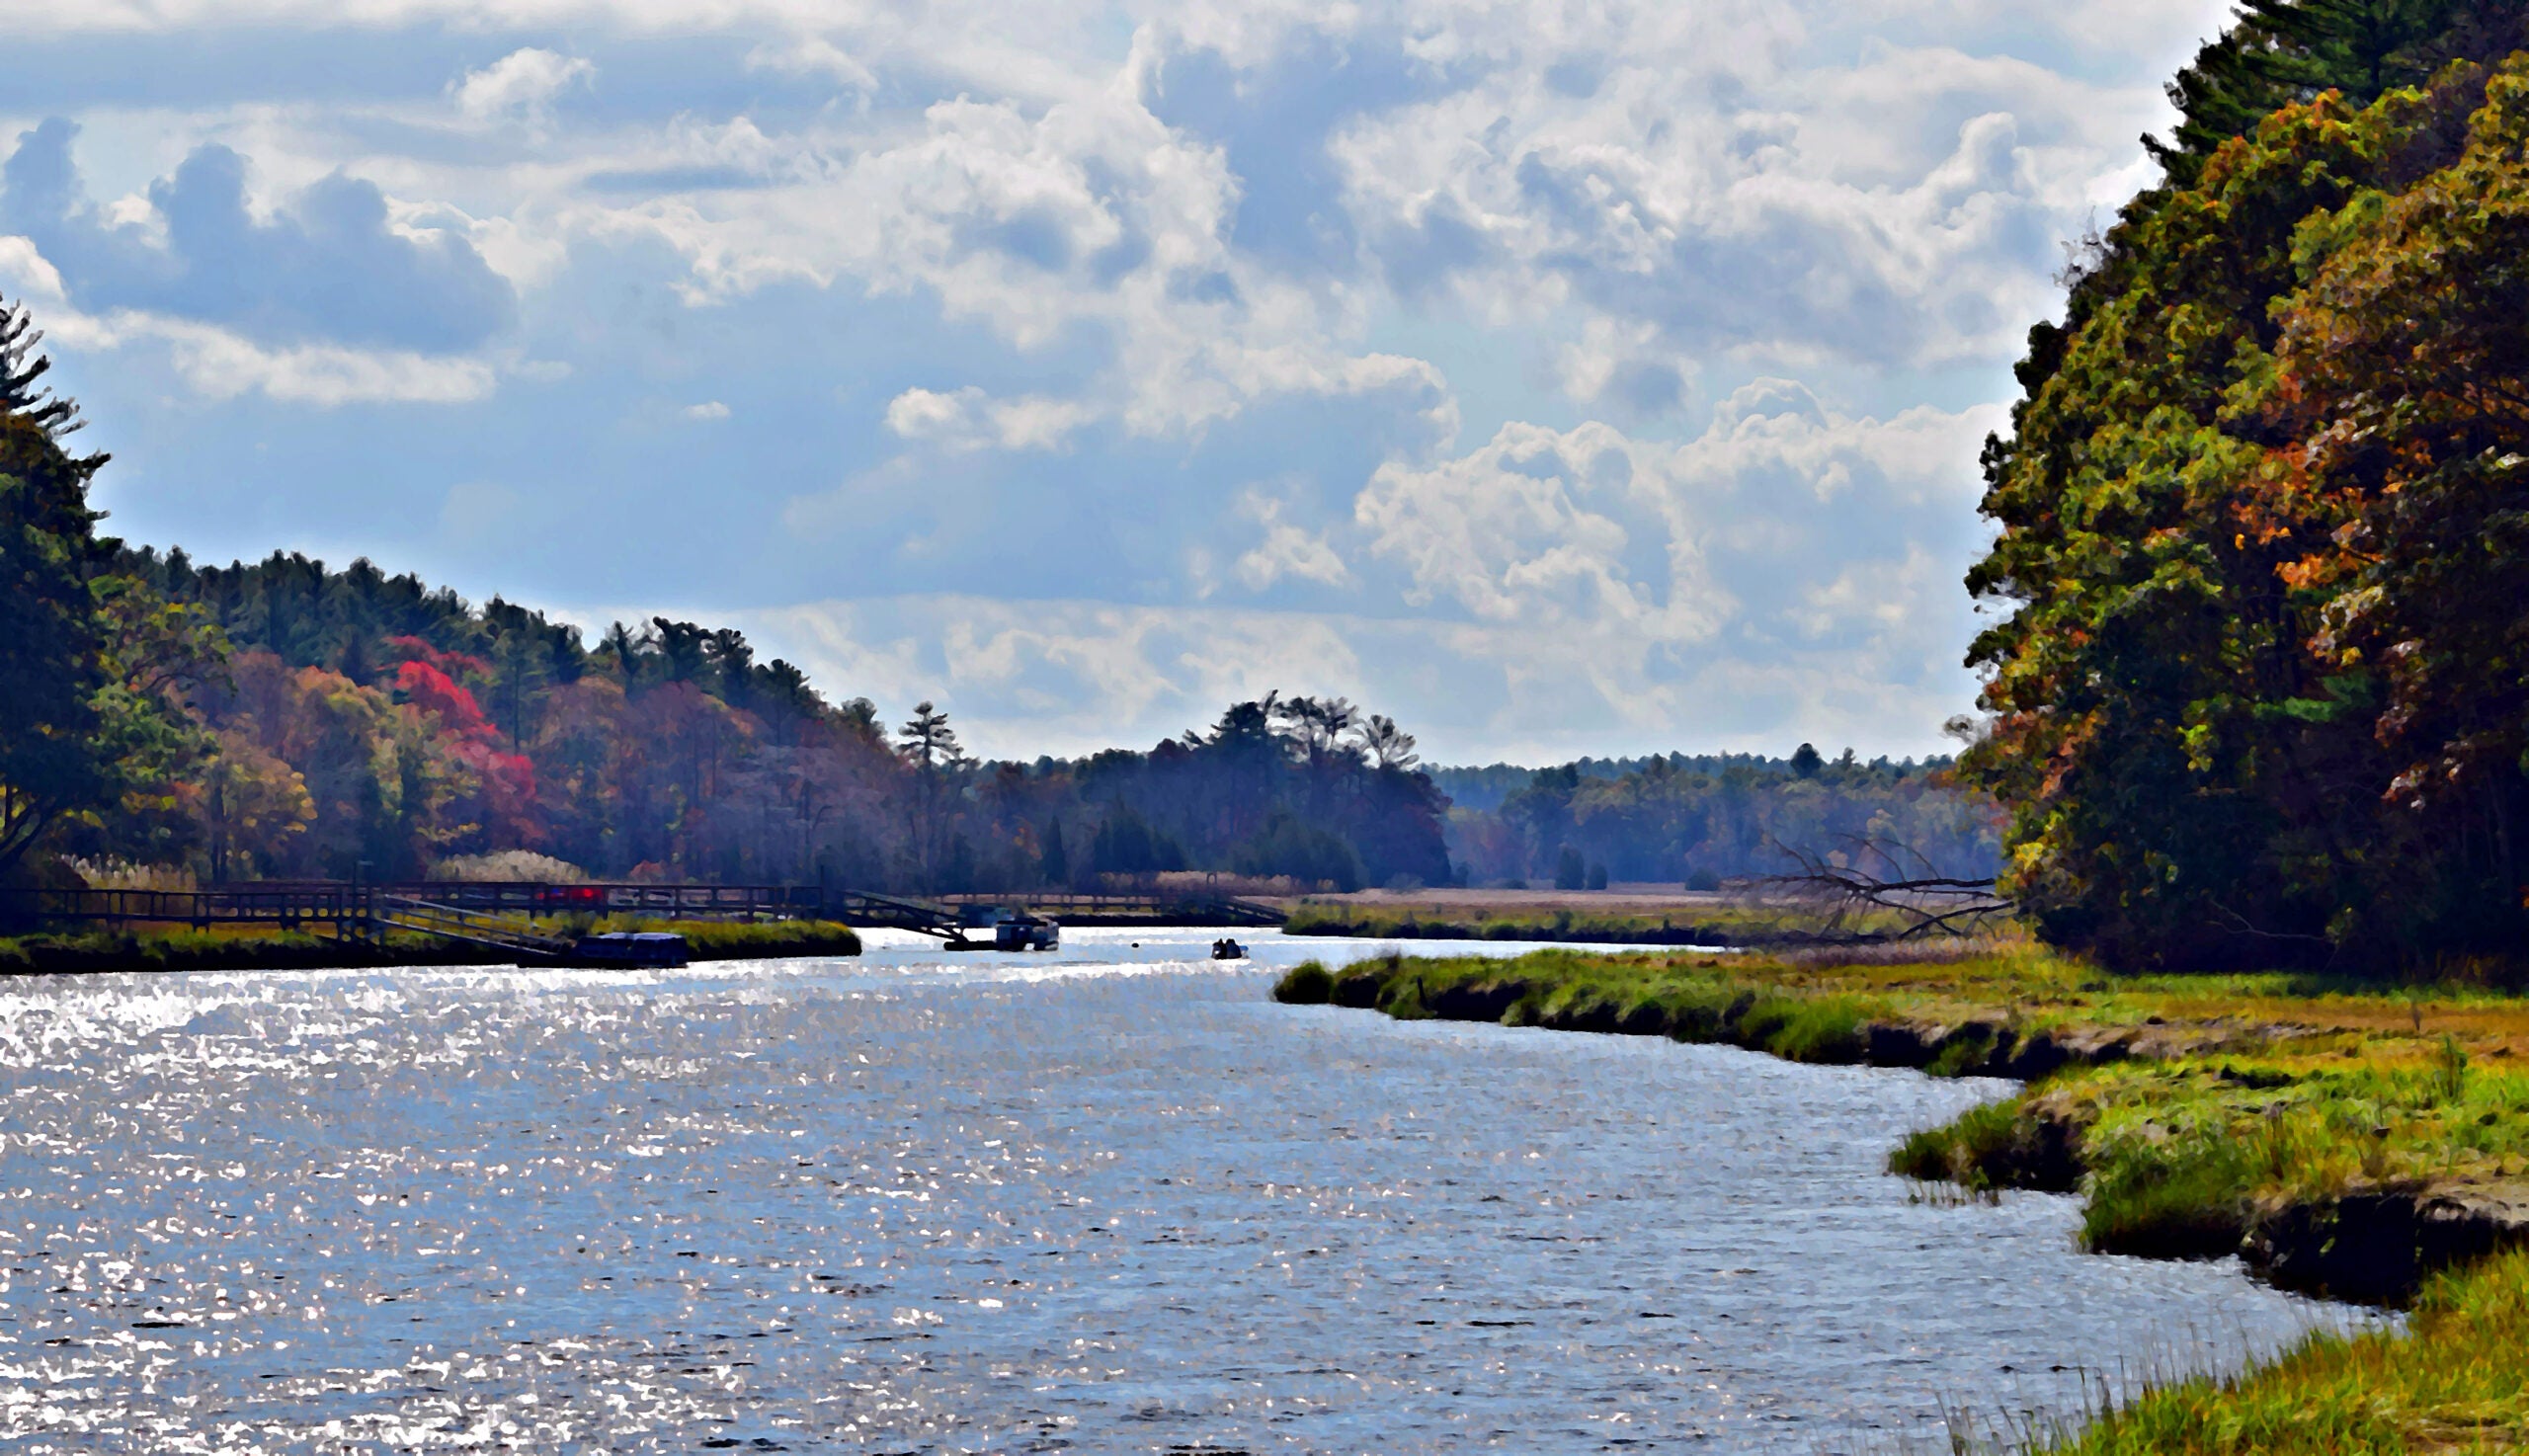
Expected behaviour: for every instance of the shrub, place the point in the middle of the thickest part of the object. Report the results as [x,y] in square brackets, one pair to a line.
[2182,1198]
[509,867]
[1309,983]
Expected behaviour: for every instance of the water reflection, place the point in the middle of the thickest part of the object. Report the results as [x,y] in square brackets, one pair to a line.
[1106,1201]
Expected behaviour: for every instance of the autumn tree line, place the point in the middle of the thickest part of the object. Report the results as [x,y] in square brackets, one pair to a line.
[287,720]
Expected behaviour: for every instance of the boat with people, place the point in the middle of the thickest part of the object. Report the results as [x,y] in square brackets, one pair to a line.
[1226,948]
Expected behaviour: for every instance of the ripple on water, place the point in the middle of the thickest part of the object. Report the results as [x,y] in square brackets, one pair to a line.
[1108,1200]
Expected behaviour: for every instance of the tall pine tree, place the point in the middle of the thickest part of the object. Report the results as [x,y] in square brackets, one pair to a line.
[52,762]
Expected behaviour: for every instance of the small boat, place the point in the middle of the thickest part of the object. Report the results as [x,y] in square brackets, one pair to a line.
[630,948]
[1027,933]
[1228,949]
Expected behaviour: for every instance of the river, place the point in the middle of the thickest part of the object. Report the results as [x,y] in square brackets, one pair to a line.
[1111,1200]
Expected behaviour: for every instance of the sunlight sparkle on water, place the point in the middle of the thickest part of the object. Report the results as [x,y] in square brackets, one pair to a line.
[1108,1200]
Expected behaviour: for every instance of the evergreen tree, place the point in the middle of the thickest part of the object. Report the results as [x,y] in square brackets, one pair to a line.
[1054,864]
[52,763]
[2280,53]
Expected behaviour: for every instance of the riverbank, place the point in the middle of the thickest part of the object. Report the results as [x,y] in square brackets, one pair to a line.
[2348,1141]
[1707,921]
[176,951]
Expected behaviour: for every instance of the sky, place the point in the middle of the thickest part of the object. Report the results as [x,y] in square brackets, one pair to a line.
[1563,378]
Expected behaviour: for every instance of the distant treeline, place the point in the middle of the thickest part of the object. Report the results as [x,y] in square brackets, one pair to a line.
[351,722]
[1710,818]
[164,722]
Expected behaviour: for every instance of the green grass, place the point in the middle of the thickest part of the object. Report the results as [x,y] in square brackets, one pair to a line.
[757,940]
[235,949]
[1682,998]
[2457,1380]
[213,950]
[1719,924]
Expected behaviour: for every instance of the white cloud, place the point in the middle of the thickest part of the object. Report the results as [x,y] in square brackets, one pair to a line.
[966,420]
[1072,677]
[523,83]
[219,365]
[1540,527]
[1195,247]
[1286,551]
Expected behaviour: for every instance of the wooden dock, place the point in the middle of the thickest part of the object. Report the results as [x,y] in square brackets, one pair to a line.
[507,914]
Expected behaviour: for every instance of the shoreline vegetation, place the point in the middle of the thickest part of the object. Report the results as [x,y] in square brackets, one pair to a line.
[1712,922]
[167,948]
[2345,1139]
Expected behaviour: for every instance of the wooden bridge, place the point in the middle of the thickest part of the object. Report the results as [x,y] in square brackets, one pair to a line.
[506,916]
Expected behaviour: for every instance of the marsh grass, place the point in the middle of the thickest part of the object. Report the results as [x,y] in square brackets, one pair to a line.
[218,950]
[240,948]
[2455,1379]
[750,941]
[1716,924]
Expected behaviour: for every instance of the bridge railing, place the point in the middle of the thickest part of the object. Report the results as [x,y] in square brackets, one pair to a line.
[338,903]
[291,902]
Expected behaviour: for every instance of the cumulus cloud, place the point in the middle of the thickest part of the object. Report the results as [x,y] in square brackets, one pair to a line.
[1029,677]
[333,267]
[1609,368]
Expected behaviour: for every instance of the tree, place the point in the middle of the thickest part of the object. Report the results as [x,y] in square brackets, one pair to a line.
[1313,856]
[2285,52]
[1053,862]
[52,763]
[1389,746]
[252,805]
[2258,694]
[1126,845]
[1806,762]
[927,742]
[929,747]
[1568,872]
[154,656]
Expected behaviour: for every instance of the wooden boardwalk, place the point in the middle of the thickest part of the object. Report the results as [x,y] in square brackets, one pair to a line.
[506,915]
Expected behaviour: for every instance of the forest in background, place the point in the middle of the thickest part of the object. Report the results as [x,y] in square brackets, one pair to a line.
[358,723]
[167,723]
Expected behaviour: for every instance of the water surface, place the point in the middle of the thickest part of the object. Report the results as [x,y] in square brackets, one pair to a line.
[1113,1201]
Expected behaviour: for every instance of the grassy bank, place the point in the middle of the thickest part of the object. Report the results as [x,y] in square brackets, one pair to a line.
[1711,925]
[2452,1382]
[758,940]
[2346,1140]
[239,949]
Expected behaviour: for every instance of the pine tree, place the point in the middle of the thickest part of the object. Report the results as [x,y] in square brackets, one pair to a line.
[1055,861]
[52,765]
[2281,52]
